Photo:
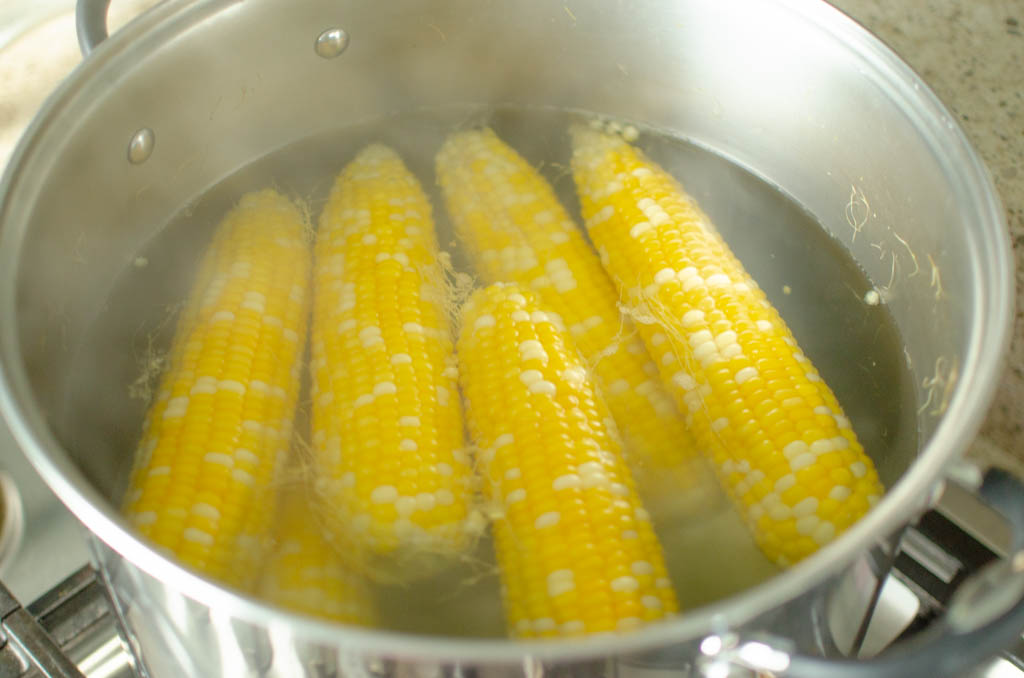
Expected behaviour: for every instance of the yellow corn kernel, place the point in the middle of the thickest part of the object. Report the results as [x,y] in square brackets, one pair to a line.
[575,546]
[777,437]
[387,418]
[306,575]
[220,424]
[515,230]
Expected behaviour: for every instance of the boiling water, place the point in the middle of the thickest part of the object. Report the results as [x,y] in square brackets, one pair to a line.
[809,277]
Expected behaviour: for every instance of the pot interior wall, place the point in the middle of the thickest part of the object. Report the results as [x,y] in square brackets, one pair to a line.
[753,82]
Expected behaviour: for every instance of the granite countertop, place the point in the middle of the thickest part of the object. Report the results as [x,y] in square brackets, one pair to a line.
[972,56]
[971,53]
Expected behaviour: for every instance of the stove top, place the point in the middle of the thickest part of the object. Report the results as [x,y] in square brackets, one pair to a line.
[44,562]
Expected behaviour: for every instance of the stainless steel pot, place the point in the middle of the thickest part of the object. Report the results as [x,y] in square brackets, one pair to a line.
[791,89]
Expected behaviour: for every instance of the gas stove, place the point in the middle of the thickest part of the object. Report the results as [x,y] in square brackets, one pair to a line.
[45,564]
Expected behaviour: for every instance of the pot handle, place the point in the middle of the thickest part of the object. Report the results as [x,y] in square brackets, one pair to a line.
[985,616]
[91,23]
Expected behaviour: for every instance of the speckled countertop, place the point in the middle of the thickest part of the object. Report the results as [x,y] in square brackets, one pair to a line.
[972,55]
[971,52]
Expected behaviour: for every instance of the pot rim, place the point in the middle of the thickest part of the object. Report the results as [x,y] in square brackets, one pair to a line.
[989,341]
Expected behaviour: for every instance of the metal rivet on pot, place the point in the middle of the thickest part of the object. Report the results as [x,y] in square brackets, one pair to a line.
[331,43]
[141,146]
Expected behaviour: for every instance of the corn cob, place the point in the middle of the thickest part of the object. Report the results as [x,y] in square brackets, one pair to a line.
[306,575]
[387,419]
[576,549]
[221,421]
[515,230]
[777,437]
